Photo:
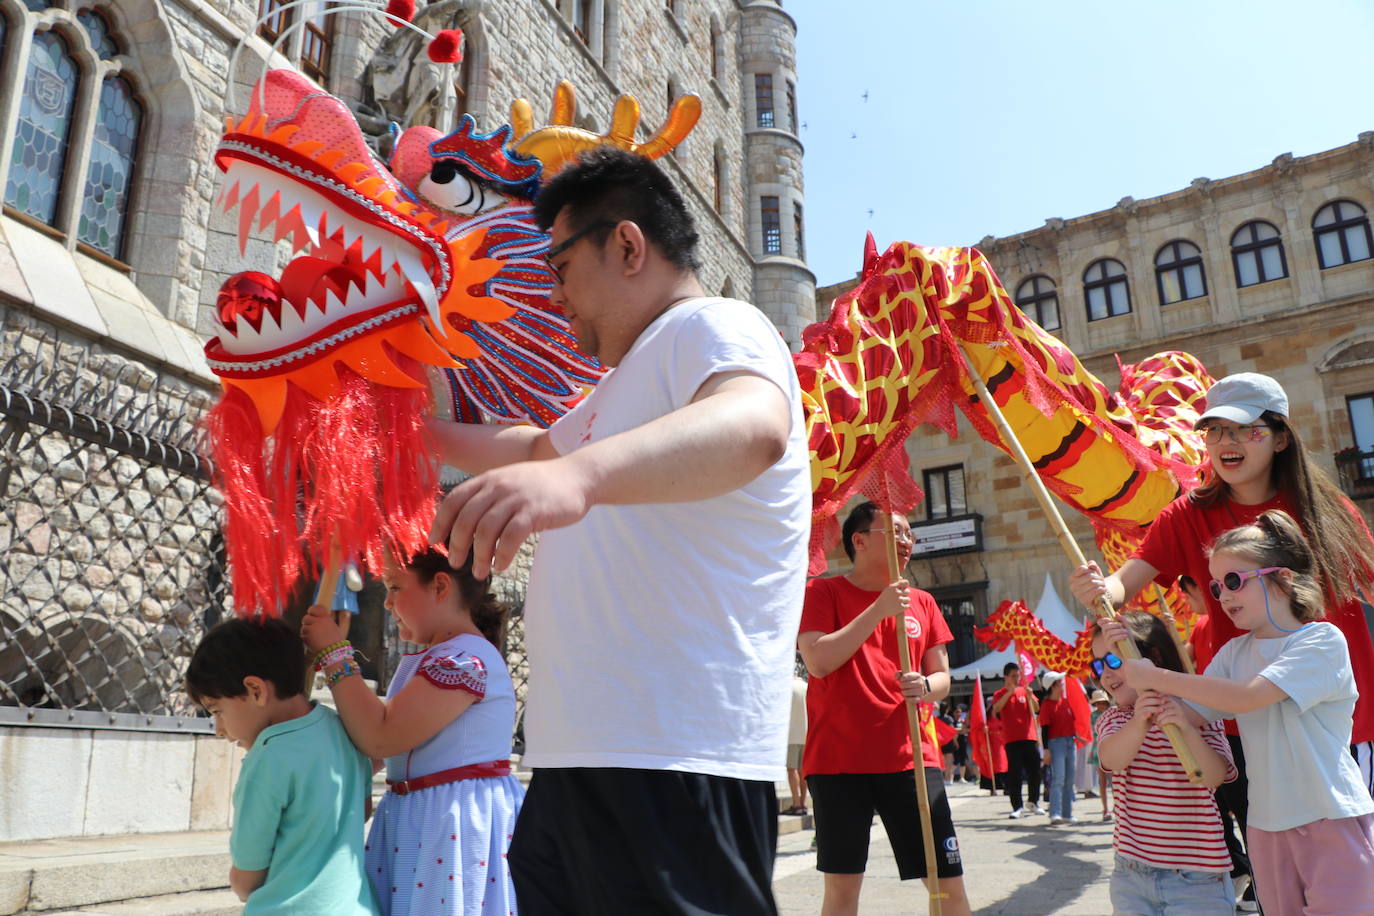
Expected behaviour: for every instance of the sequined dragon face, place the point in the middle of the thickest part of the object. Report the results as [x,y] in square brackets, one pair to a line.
[417,259]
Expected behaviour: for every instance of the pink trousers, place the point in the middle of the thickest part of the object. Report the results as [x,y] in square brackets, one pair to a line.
[1325,868]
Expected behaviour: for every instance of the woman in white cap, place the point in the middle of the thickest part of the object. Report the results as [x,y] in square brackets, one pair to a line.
[1257,462]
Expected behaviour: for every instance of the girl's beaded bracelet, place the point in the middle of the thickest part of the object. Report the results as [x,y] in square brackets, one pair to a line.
[330,655]
[345,670]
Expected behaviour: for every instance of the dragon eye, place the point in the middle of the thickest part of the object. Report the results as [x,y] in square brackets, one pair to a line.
[443,171]
[449,188]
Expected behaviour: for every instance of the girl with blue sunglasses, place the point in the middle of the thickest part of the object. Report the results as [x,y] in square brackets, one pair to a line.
[1171,854]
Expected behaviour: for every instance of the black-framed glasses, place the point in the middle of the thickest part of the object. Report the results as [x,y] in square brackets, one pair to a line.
[1109,660]
[1235,581]
[1213,435]
[571,241]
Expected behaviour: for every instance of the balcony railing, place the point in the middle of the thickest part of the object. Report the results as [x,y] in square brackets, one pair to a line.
[1356,470]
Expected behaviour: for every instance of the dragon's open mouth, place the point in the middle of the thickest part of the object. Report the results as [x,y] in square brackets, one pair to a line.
[365,255]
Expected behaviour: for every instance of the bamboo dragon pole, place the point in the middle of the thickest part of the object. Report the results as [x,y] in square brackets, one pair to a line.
[1126,648]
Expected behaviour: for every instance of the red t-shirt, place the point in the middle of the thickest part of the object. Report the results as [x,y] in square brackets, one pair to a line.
[1018,724]
[1176,545]
[856,716]
[1057,715]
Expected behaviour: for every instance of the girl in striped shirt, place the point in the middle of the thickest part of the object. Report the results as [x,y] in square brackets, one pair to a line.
[1170,853]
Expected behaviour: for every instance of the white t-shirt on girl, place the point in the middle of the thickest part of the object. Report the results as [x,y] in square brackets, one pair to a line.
[1297,751]
[662,636]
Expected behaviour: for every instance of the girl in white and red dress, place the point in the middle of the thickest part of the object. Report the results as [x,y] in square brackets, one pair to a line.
[439,838]
[1170,848]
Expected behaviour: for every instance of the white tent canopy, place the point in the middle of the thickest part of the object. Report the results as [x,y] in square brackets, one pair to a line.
[1057,619]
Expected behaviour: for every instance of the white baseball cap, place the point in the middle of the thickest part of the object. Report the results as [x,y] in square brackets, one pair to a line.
[1050,678]
[1243,397]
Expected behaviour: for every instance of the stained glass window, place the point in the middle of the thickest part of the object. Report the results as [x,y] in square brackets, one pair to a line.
[106,197]
[40,138]
[99,31]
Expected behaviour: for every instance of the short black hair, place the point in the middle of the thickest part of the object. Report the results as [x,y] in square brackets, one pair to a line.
[861,519]
[238,648]
[1009,667]
[607,184]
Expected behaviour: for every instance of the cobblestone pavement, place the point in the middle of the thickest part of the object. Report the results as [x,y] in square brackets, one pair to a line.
[1011,867]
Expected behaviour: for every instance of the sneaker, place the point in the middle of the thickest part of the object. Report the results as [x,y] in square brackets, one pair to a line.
[1247,906]
[1037,810]
[1056,821]
[1019,812]
[1070,821]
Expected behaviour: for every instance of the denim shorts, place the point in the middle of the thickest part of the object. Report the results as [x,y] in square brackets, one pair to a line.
[1138,889]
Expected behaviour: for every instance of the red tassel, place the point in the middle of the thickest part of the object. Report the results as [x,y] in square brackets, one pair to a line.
[354,472]
[401,9]
[447,47]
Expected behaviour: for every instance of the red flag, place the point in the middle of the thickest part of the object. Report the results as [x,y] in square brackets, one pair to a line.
[1027,666]
[1082,712]
[980,742]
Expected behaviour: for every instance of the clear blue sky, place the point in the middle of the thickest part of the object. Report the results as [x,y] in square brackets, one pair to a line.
[986,118]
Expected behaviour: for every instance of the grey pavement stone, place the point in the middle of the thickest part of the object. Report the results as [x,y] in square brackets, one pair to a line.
[1011,867]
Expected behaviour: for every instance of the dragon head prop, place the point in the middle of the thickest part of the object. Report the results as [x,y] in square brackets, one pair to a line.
[410,281]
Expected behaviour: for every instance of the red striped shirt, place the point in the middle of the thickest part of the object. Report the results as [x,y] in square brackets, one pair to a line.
[1161,818]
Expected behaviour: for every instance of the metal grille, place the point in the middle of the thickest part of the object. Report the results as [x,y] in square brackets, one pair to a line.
[111,563]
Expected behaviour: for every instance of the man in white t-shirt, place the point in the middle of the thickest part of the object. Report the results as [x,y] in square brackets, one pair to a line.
[666,588]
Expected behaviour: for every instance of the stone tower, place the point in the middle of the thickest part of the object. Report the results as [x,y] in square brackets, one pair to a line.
[784,288]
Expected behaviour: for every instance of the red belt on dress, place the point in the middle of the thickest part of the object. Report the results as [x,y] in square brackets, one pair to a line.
[443,777]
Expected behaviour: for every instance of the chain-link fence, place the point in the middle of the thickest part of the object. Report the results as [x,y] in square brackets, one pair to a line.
[111,564]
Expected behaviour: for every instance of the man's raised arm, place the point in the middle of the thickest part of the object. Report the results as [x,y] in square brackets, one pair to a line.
[478,447]
[735,428]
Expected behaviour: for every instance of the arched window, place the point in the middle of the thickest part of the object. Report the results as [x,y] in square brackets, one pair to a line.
[70,95]
[34,183]
[99,31]
[1257,253]
[1178,273]
[1037,297]
[106,198]
[1105,289]
[1341,231]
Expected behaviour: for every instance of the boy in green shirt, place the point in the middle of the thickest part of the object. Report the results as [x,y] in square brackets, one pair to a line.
[297,841]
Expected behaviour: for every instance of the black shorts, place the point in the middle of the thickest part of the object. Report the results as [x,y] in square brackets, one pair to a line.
[844,805]
[600,841]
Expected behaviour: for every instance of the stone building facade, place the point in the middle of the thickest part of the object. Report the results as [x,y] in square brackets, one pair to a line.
[1269,271]
[111,256]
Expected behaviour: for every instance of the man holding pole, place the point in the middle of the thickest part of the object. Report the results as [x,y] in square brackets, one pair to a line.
[859,758]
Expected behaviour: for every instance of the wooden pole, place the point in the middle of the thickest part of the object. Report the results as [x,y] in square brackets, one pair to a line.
[1126,648]
[894,572]
[992,764]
